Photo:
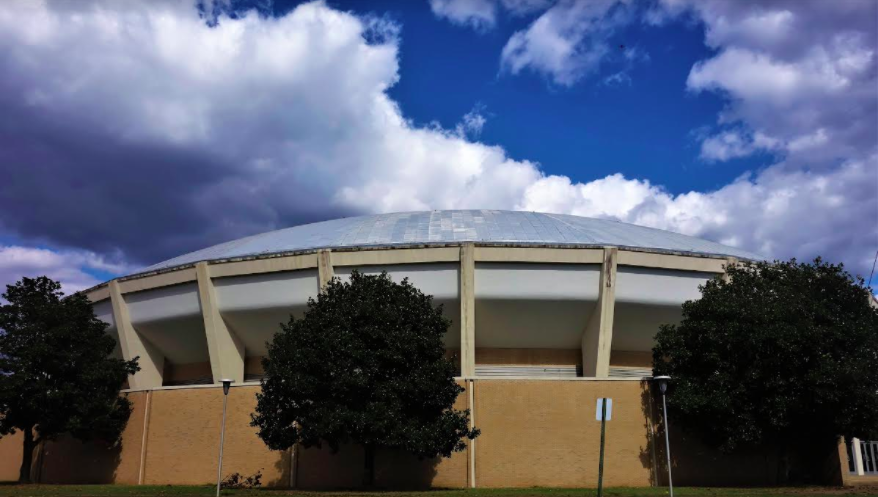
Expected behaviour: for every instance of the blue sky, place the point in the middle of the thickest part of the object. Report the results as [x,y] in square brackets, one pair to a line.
[592,129]
[131,132]
[643,128]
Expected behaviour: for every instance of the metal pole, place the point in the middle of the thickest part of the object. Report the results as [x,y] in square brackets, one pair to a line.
[603,433]
[219,470]
[667,443]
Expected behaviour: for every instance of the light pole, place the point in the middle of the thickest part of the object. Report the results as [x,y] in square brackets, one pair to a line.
[219,469]
[663,386]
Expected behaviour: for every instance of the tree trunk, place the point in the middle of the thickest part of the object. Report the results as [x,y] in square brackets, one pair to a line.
[27,455]
[369,465]
[783,465]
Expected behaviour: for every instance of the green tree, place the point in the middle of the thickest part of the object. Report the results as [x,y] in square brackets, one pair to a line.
[56,370]
[364,365]
[781,355]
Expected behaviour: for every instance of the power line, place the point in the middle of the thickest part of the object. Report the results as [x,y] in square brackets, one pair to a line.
[873,269]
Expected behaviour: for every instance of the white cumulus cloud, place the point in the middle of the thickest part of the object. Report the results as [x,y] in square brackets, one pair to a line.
[481,15]
[70,267]
[566,42]
[135,127]
[802,74]
[478,14]
[777,213]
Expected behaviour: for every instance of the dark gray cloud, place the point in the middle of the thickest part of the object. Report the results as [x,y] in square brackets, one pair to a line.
[70,185]
[141,130]
[133,132]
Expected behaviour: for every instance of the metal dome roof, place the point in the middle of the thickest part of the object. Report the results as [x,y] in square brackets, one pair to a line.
[455,226]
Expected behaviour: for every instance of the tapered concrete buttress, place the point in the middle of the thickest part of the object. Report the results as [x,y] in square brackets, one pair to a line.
[597,339]
[150,360]
[324,268]
[225,349]
[467,310]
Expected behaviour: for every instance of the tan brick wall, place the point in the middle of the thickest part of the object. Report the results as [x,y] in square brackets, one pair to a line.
[182,448]
[319,468]
[544,433]
[548,357]
[183,438]
[10,456]
[534,433]
[67,460]
[698,465]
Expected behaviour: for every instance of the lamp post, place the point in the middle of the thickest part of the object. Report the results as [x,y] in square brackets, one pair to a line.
[663,386]
[219,470]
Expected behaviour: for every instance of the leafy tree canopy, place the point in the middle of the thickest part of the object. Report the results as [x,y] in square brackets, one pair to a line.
[779,354]
[57,374]
[366,365]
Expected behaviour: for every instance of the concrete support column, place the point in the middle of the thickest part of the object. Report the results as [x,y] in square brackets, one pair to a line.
[324,268]
[225,349]
[857,451]
[597,339]
[151,361]
[730,262]
[467,310]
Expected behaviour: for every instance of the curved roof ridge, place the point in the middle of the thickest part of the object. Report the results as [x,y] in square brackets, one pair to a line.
[558,217]
[437,227]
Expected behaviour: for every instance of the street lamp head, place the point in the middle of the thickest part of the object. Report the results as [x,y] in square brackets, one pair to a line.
[226,385]
[662,382]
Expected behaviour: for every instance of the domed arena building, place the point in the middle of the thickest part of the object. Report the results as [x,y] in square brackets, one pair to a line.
[550,312]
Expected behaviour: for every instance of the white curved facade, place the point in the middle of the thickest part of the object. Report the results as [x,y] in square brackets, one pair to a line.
[561,296]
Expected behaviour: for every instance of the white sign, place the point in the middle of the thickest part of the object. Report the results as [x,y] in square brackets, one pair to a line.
[597,413]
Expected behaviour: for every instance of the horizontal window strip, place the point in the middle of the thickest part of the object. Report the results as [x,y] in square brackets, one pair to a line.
[493,371]
[204,380]
[627,372]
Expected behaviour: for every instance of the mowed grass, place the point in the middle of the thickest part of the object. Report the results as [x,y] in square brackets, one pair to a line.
[13,490]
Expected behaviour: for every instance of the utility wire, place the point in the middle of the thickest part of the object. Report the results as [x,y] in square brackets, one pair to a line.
[873,269]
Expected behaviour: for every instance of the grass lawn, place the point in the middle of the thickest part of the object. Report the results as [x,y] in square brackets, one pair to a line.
[184,491]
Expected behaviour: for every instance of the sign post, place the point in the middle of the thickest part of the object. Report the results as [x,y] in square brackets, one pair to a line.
[603,412]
